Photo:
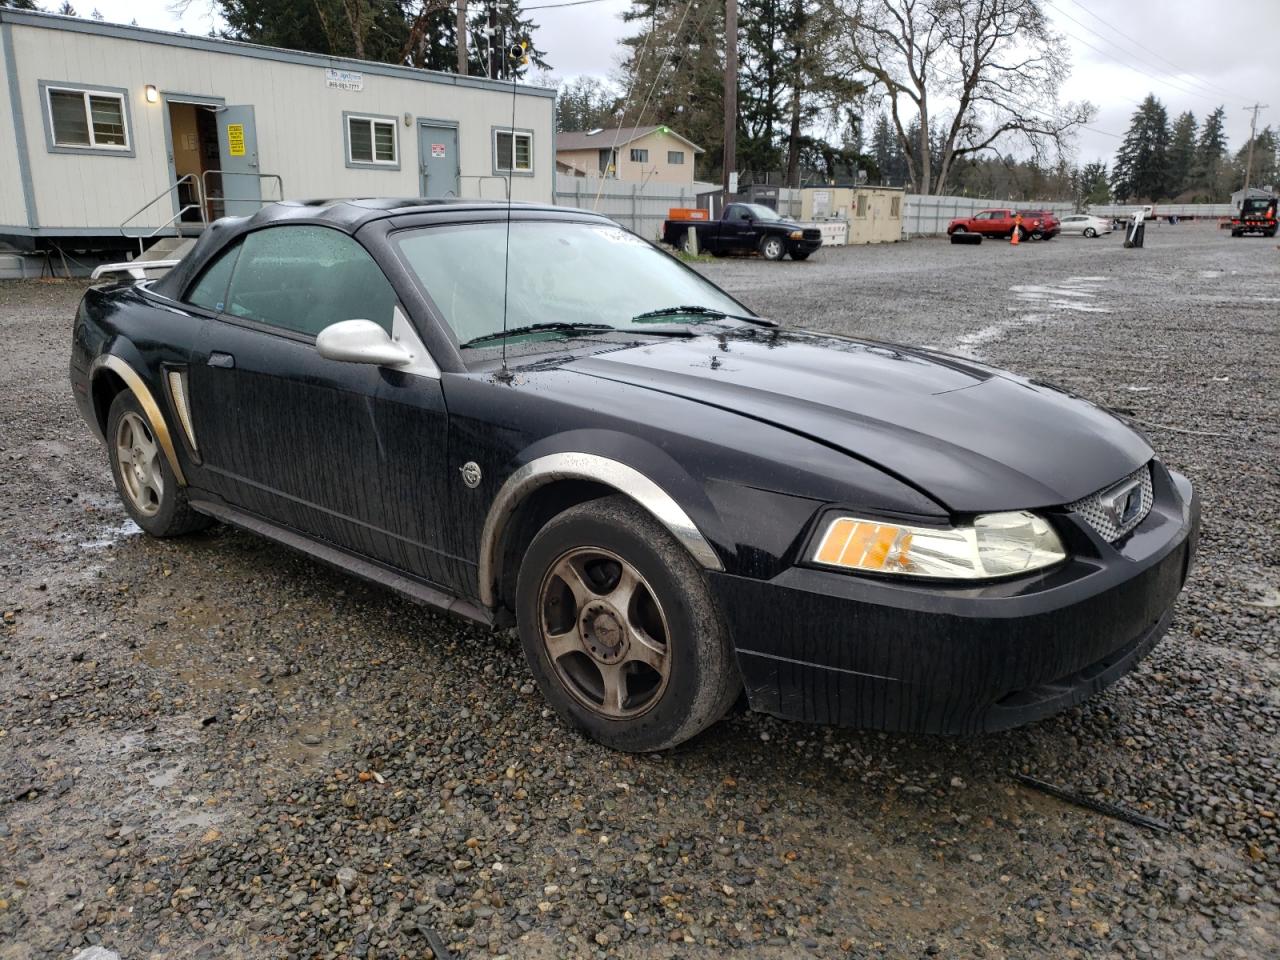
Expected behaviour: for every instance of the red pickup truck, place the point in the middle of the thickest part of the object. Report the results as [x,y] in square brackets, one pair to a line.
[1036,224]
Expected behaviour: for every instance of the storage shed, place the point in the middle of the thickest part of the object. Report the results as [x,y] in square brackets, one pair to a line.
[874,214]
[110,130]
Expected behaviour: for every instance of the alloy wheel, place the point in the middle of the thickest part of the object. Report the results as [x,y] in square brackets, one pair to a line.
[773,249]
[138,459]
[604,633]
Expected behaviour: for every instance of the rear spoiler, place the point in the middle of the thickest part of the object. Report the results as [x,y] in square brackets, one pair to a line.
[134,268]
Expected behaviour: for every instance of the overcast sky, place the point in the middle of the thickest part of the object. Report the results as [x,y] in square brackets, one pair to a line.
[1198,55]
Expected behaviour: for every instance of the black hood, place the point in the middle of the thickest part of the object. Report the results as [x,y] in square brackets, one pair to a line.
[973,438]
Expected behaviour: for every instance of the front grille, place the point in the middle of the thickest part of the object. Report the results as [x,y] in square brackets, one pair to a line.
[811,233]
[1096,512]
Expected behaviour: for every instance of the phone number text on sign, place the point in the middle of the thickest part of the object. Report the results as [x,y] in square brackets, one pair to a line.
[344,80]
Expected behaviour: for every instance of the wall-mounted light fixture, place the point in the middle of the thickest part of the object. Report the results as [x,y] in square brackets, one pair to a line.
[408,119]
[152,94]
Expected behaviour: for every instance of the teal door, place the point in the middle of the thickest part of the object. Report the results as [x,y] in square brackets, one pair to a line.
[438,159]
[238,154]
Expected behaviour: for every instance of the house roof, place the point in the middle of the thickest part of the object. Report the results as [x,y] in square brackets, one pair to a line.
[603,138]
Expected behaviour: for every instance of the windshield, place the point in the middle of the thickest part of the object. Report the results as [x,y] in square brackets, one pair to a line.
[561,273]
[761,212]
[1256,205]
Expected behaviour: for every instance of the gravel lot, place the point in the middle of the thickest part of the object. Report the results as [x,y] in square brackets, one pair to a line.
[214,748]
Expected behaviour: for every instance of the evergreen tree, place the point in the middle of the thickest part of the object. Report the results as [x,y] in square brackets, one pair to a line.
[1093,183]
[1182,154]
[1141,168]
[676,63]
[67,10]
[585,103]
[1264,172]
[1209,172]
[21,4]
[417,33]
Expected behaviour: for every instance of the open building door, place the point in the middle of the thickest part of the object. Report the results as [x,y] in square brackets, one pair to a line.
[238,154]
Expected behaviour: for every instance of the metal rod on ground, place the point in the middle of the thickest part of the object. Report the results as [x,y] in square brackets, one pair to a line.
[1098,806]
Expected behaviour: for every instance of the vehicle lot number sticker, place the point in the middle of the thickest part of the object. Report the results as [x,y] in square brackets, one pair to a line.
[437,151]
[235,139]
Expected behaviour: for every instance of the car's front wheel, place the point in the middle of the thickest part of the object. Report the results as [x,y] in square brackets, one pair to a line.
[772,248]
[620,629]
[144,479]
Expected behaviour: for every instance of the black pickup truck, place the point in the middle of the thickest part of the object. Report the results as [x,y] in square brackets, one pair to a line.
[742,228]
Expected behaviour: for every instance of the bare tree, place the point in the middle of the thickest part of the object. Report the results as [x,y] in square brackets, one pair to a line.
[961,76]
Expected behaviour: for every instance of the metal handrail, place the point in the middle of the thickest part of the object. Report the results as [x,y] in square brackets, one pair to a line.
[481,177]
[204,177]
[185,178]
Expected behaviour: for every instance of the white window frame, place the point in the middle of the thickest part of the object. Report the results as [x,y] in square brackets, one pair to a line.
[373,143]
[85,94]
[643,154]
[515,134]
[675,153]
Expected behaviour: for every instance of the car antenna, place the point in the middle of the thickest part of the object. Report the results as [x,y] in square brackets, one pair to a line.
[518,56]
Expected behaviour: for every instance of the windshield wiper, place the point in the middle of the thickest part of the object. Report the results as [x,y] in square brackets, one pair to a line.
[709,313]
[539,328]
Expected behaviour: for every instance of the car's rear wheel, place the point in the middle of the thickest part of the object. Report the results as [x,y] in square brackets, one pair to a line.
[772,248]
[684,244]
[1090,232]
[620,629]
[143,477]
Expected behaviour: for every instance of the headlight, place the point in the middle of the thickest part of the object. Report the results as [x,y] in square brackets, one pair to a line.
[796,234]
[995,545]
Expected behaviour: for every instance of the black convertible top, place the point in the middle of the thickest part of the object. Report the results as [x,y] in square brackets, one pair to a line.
[347,215]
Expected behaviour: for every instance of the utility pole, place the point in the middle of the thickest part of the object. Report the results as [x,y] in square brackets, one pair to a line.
[730,92]
[461,32]
[1253,131]
[493,40]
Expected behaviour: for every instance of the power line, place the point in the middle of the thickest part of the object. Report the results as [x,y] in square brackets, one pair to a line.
[1138,43]
[567,3]
[1167,81]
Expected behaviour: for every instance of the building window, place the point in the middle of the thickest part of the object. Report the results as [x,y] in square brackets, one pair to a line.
[371,140]
[639,156]
[93,119]
[895,206]
[675,157]
[505,142]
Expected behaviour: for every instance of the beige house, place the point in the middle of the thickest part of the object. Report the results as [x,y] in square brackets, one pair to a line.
[635,154]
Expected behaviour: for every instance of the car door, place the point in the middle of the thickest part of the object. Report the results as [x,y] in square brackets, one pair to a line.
[982,222]
[307,442]
[738,229]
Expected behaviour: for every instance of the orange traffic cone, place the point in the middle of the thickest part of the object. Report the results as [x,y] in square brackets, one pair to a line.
[1017,229]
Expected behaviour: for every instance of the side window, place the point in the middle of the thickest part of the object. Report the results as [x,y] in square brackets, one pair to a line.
[305,278]
[210,290]
[737,212]
[985,215]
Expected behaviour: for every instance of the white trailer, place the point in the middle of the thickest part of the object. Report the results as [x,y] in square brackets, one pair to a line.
[111,131]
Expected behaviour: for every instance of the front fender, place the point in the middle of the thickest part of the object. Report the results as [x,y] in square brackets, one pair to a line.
[675,499]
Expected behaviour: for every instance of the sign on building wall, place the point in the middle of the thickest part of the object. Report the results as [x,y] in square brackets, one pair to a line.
[344,80]
[235,139]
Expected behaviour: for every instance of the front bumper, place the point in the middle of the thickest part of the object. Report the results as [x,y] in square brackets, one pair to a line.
[803,246]
[828,647]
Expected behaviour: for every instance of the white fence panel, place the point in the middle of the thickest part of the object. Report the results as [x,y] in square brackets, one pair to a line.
[640,207]
[1165,209]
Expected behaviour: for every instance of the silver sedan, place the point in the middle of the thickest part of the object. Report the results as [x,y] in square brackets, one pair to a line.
[1083,223]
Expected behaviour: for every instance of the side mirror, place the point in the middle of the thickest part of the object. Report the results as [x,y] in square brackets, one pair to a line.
[361,341]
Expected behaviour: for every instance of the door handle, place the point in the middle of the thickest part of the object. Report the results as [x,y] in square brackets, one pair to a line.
[224,361]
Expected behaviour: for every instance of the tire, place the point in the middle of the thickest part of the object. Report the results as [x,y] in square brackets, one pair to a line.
[1090,232]
[1037,235]
[1022,235]
[1237,233]
[683,245]
[145,481]
[682,686]
[799,255]
[772,248]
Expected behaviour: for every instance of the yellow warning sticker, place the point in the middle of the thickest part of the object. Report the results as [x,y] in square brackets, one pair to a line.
[235,139]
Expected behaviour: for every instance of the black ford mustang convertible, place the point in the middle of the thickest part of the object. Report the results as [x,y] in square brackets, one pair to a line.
[672,498]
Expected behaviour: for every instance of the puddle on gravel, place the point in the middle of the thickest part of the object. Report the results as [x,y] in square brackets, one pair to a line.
[968,344]
[110,535]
